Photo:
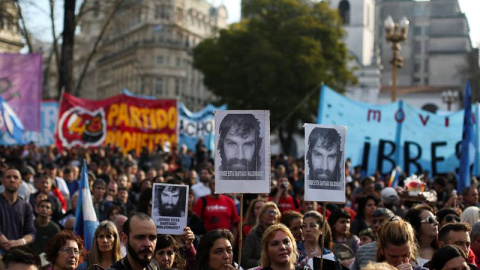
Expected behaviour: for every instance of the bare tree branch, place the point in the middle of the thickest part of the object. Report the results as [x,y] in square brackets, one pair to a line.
[54,35]
[95,46]
[23,26]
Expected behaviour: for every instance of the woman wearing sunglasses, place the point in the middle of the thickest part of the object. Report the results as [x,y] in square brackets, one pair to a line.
[425,225]
[269,215]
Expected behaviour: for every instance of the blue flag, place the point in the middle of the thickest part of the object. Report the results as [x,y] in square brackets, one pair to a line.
[12,123]
[467,153]
[86,221]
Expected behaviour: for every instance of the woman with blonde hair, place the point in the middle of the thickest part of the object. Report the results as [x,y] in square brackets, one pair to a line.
[268,216]
[106,247]
[279,250]
[397,245]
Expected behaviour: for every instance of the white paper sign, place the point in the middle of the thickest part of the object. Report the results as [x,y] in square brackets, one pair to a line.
[242,158]
[325,163]
[170,208]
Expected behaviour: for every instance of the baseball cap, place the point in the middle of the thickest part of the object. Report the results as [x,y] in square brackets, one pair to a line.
[389,196]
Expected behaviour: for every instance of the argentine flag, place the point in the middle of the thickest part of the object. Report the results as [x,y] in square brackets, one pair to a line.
[12,123]
[86,221]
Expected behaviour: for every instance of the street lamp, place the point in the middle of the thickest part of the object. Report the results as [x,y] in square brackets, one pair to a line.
[449,97]
[396,34]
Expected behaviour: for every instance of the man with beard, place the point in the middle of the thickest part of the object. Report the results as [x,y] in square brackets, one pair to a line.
[239,146]
[140,236]
[16,215]
[172,199]
[324,158]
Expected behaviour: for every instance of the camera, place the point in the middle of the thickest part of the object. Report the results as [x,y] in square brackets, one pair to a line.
[285,185]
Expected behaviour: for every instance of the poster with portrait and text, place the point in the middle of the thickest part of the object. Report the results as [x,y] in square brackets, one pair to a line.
[242,152]
[170,208]
[325,163]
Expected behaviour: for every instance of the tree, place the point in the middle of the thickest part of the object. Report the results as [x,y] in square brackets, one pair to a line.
[276,59]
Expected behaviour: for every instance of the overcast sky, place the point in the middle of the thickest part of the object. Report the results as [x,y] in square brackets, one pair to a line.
[469,7]
[38,22]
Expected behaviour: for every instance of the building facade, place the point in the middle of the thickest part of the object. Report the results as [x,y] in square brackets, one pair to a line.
[147,49]
[10,38]
[436,49]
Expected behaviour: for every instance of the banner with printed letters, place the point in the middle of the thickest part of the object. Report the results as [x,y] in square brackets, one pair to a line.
[382,137]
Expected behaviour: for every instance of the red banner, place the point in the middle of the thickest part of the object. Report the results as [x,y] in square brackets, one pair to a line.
[127,122]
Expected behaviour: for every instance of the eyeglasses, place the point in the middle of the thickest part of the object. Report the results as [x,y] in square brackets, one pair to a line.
[429,220]
[452,218]
[71,251]
[271,212]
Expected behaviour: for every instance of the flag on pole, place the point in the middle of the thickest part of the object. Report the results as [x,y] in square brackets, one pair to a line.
[11,121]
[467,152]
[86,221]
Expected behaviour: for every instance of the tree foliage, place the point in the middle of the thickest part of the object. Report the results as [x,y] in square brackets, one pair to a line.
[275,59]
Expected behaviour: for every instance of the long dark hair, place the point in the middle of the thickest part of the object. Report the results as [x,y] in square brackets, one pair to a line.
[445,254]
[335,216]
[203,251]
[362,202]
[166,240]
[413,217]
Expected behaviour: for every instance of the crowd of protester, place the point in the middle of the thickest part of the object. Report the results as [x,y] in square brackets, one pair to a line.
[378,227]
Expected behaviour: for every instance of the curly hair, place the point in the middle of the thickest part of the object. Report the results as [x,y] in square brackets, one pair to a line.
[55,243]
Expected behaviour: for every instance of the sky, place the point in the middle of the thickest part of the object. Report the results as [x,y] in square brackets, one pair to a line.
[469,7]
[38,22]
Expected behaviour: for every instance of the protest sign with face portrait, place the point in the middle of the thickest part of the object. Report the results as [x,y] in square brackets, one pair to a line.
[170,208]
[242,146]
[325,163]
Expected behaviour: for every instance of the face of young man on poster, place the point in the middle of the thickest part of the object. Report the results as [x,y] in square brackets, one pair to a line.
[324,161]
[239,151]
[170,198]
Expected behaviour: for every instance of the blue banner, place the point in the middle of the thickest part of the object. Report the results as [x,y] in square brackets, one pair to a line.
[48,119]
[193,126]
[384,136]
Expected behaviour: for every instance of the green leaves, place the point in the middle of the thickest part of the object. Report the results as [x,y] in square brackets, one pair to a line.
[275,57]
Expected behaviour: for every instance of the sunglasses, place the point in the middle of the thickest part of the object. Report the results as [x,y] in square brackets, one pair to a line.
[429,220]
[452,218]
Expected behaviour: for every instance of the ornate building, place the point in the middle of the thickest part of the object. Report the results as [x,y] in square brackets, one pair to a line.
[10,39]
[147,49]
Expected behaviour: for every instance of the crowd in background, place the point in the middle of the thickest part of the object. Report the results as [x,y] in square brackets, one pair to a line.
[376,223]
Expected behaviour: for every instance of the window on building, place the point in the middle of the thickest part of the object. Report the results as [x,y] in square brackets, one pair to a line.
[417,65]
[96,8]
[344,9]
[416,80]
[159,86]
[426,65]
[177,87]
[417,47]
[418,31]
[179,61]
[160,61]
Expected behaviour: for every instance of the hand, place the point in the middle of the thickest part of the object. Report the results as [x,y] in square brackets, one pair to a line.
[228,266]
[452,202]
[404,266]
[188,236]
